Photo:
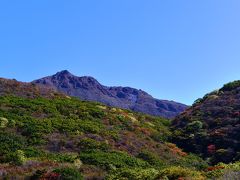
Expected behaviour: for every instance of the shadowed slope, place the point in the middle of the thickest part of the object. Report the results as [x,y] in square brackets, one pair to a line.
[88,88]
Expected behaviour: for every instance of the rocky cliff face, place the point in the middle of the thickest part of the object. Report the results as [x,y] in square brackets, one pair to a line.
[88,88]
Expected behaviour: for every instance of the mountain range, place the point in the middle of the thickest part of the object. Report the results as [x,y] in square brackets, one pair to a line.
[48,134]
[88,88]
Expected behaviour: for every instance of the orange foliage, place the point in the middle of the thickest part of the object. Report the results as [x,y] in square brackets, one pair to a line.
[215,168]
[176,150]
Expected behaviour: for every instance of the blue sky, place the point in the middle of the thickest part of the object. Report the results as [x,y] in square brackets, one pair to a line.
[173,49]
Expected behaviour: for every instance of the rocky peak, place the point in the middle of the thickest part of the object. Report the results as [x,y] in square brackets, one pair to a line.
[62,75]
[64,72]
[88,88]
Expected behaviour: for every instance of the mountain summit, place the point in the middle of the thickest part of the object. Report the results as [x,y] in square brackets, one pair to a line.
[88,88]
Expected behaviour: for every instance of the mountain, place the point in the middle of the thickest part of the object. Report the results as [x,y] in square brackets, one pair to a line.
[29,90]
[211,127]
[88,88]
[46,135]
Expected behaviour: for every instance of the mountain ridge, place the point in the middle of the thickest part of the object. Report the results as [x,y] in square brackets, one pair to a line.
[27,90]
[46,134]
[88,88]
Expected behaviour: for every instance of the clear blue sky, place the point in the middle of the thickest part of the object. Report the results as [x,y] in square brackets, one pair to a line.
[173,49]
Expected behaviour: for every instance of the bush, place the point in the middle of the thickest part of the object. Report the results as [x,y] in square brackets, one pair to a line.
[151,158]
[3,122]
[90,127]
[224,171]
[33,152]
[19,157]
[134,174]
[230,86]
[193,161]
[10,144]
[61,157]
[111,160]
[34,129]
[159,137]
[88,144]
[77,163]
[176,172]
[194,126]
[69,173]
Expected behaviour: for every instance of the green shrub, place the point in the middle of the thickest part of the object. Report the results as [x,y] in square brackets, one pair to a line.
[151,158]
[88,144]
[3,122]
[224,171]
[96,113]
[111,160]
[175,172]
[134,174]
[230,86]
[69,173]
[158,137]
[194,126]
[77,163]
[10,144]
[90,127]
[33,152]
[192,161]
[197,101]
[61,157]
[35,129]
[126,124]
[19,157]
[114,134]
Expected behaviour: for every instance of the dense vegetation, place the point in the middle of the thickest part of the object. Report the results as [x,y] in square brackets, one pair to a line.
[58,137]
[211,126]
[49,138]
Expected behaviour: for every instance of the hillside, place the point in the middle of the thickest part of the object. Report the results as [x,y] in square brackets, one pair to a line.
[52,136]
[211,126]
[88,88]
[56,137]
[28,90]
